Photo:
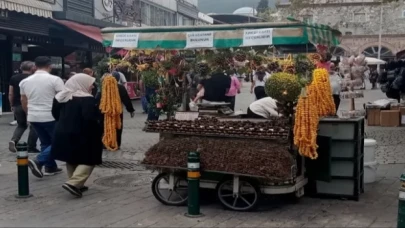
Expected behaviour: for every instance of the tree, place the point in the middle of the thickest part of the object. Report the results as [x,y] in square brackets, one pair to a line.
[262,6]
[269,15]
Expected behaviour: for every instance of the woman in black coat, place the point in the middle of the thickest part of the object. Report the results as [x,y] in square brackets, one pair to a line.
[78,133]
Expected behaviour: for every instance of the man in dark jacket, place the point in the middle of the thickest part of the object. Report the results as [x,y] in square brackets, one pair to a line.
[14,97]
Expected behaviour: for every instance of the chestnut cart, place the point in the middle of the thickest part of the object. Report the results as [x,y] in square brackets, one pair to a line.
[235,191]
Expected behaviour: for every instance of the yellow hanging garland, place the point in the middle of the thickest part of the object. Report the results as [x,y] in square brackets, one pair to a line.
[315,102]
[111,107]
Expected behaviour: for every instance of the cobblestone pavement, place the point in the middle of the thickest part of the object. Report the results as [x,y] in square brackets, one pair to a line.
[122,198]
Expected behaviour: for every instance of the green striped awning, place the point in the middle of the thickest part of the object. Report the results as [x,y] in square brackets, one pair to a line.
[226,36]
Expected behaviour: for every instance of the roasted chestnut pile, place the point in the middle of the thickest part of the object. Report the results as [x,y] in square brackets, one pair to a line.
[271,129]
[267,159]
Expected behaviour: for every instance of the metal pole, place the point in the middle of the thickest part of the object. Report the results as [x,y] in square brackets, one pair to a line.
[380,35]
[401,203]
[193,177]
[22,165]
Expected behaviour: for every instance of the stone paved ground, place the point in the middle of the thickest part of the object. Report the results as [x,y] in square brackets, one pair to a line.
[111,203]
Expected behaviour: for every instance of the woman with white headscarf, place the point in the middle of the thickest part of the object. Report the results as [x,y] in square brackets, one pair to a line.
[77,139]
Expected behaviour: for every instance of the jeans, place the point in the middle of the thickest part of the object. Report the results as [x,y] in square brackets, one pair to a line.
[45,133]
[144,104]
[22,125]
[152,115]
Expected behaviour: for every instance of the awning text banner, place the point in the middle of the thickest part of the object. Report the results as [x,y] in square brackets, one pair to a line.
[129,40]
[257,37]
[200,39]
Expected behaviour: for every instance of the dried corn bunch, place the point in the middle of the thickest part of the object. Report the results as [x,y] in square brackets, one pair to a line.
[111,107]
[315,101]
[324,101]
[306,124]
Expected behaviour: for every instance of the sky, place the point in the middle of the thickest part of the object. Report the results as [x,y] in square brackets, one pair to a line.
[226,6]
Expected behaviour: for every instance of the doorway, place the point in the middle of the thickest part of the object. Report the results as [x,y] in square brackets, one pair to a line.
[5,70]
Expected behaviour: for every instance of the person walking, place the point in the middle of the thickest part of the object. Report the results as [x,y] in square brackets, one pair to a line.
[37,94]
[335,81]
[373,78]
[78,132]
[14,98]
[259,81]
[127,103]
[233,91]
[90,72]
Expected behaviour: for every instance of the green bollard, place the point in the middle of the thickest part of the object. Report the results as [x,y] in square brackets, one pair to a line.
[401,203]
[193,177]
[22,165]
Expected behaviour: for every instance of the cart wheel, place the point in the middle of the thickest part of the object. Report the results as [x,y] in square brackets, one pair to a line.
[246,197]
[172,197]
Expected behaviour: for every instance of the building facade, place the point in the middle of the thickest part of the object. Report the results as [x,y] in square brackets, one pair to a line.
[158,13]
[68,31]
[359,21]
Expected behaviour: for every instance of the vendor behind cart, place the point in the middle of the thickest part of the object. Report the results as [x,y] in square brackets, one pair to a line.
[215,87]
[263,108]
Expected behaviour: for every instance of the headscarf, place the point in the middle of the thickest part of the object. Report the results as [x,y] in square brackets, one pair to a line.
[77,86]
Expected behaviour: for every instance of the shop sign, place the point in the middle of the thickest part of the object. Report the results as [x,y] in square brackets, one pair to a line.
[200,39]
[108,5]
[125,40]
[16,57]
[131,89]
[258,37]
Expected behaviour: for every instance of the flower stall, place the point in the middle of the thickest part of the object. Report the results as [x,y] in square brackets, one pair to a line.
[260,156]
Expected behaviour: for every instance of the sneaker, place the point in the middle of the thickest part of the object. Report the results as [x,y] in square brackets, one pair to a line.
[35,168]
[11,147]
[72,190]
[13,123]
[52,171]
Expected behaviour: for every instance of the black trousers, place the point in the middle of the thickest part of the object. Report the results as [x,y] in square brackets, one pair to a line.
[336,100]
[119,131]
[22,125]
[252,115]
[232,101]
[259,92]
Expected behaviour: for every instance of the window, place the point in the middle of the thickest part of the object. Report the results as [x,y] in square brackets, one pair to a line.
[373,52]
[337,51]
[145,11]
[359,17]
[156,16]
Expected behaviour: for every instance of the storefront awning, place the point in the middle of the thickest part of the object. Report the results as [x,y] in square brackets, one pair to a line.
[92,32]
[37,8]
